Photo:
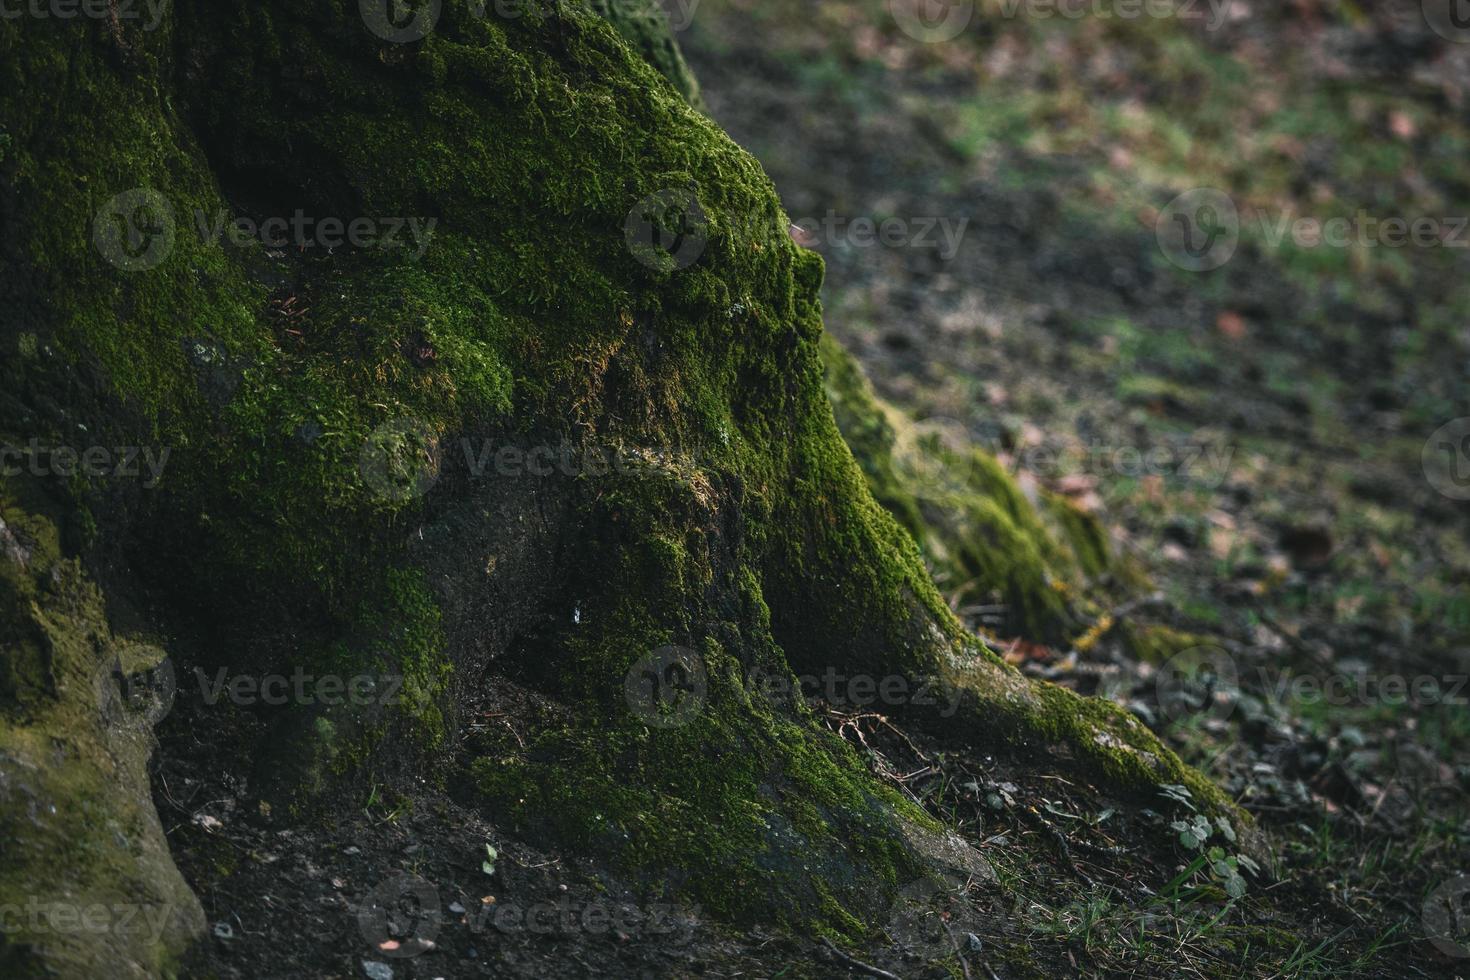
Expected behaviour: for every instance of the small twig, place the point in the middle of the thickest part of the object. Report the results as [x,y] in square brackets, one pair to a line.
[883,720]
[1121,611]
[959,953]
[858,964]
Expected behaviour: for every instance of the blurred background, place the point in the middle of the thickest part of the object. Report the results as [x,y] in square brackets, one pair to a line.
[1200,268]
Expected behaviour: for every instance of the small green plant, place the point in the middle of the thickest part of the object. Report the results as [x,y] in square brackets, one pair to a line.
[488,865]
[1194,833]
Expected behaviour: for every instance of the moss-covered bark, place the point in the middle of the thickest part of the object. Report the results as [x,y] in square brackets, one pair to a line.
[86,884]
[319,509]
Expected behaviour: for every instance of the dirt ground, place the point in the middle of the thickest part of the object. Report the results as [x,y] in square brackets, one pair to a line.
[1252,437]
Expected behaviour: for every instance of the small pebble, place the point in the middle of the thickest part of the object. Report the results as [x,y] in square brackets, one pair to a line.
[377,971]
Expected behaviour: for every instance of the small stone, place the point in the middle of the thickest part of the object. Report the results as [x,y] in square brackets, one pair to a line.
[377,971]
[975,944]
[353,850]
[208,823]
[223,930]
[456,908]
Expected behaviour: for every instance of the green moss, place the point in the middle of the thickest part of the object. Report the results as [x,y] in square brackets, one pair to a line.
[81,834]
[313,404]
[1081,533]
[987,542]
[757,822]
[646,29]
[869,434]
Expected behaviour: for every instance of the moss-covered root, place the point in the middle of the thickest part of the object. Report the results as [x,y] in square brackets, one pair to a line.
[537,314]
[1037,557]
[87,888]
[674,762]
[974,525]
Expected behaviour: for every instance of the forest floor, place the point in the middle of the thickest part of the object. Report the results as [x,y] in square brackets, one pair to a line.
[1255,435]
[1252,436]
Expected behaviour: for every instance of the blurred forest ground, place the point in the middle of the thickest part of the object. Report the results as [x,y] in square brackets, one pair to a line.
[1254,436]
